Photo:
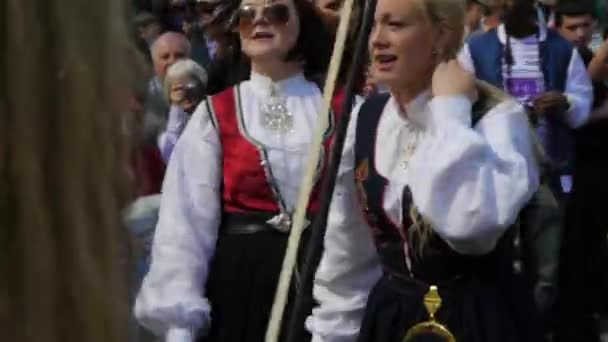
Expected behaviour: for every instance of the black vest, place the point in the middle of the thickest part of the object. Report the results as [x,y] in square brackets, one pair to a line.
[436,262]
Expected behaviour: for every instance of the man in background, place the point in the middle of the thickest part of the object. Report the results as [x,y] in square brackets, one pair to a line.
[547,76]
[575,21]
[491,18]
[474,13]
[544,72]
[493,14]
[583,282]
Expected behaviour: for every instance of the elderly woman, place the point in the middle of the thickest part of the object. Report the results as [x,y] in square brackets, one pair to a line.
[184,89]
[233,180]
[435,185]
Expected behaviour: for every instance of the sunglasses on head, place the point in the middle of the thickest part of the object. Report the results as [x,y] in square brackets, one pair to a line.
[272,14]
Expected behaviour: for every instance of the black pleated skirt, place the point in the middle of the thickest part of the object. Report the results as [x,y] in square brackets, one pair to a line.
[241,287]
[474,310]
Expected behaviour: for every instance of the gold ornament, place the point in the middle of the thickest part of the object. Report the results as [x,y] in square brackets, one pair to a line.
[432,303]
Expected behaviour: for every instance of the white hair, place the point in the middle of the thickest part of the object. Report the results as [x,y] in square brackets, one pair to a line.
[166,36]
[180,70]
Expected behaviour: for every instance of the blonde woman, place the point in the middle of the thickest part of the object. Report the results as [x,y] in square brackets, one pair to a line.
[66,76]
[427,192]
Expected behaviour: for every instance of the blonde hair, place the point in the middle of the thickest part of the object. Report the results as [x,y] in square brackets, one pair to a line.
[65,80]
[449,17]
[180,70]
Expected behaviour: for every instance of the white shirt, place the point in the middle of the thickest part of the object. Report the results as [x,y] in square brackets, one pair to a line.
[579,89]
[470,184]
[172,301]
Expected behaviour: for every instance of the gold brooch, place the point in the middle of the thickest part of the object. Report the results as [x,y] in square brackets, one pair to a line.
[432,303]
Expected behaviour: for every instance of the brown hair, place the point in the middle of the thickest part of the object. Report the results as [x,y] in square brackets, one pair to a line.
[313,46]
[315,42]
[63,264]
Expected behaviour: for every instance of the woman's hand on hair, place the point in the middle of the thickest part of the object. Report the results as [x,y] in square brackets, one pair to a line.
[450,79]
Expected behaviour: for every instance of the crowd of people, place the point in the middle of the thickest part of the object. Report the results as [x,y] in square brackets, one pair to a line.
[473,173]
[233,172]
[222,207]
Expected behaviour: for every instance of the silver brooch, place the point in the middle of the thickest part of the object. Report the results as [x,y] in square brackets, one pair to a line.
[275,115]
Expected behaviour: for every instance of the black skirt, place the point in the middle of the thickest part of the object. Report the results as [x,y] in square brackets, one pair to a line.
[474,310]
[242,282]
[583,274]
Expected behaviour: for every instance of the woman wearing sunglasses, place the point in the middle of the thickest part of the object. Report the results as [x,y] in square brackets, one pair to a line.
[232,183]
[434,174]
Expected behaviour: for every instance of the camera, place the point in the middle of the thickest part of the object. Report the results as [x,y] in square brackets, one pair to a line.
[194,91]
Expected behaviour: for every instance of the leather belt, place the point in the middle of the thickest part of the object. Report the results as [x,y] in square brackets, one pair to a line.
[250,228]
[246,223]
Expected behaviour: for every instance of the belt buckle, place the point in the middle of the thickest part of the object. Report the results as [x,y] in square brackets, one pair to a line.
[432,303]
[283,221]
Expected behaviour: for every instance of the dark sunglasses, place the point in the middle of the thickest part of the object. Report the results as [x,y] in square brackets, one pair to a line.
[272,14]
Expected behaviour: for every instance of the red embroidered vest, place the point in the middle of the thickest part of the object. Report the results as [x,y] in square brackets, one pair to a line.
[245,185]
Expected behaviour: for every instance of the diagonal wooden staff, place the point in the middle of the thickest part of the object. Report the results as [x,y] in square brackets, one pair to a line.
[303,302]
[299,218]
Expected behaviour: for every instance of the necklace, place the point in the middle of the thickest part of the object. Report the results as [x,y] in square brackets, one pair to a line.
[275,115]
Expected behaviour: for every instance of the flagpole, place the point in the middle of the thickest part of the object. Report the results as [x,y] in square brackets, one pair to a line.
[299,219]
[303,300]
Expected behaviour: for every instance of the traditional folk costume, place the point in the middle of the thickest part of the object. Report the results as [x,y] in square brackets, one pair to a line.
[231,186]
[465,180]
